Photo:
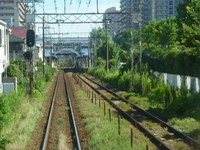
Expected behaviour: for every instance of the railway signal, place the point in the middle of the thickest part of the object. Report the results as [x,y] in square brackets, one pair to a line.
[30,38]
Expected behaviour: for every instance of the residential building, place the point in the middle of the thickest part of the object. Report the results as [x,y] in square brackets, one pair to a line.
[113,28]
[17,46]
[13,12]
[150,10]
[4,49]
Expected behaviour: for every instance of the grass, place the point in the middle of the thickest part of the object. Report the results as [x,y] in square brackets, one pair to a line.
[125,105]
[188,125]
[25,119]
[60,121]
[104,133]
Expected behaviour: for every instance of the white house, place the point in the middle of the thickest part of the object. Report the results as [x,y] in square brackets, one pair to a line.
[4,50]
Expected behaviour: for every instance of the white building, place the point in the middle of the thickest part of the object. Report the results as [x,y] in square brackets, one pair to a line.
[4,49]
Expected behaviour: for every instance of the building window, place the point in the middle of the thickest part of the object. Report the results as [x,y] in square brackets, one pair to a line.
[171,3]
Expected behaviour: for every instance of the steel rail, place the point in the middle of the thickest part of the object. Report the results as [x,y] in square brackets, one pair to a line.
[72,116]
[154,139]
[47,128]
[186,138]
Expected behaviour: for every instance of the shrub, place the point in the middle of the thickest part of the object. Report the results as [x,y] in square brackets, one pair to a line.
[125,81]
[91,70]
[100,73]
[112,77]
[161,94]
[146,84]
[49,73]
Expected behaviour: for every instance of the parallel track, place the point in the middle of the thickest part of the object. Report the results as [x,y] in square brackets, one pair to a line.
[160,144]
[49,119]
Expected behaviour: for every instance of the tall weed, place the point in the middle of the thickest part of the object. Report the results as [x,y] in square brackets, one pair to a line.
[112,77]
[100,73]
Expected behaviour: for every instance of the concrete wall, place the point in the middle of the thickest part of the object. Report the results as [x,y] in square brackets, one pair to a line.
[191,83]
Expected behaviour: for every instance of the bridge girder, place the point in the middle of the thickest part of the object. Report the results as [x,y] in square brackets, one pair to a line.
[66,51]
[74,18]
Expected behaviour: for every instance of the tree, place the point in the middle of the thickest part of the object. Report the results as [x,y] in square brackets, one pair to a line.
[99,35]
[162,33]
[189,23]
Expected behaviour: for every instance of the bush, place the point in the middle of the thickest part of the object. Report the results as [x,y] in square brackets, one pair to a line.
[125,81]
[8,105]
[100,73]
[161,94]
[91,70]
[146,84]
[101,62]
[49,73]
[113,64]
[112,77]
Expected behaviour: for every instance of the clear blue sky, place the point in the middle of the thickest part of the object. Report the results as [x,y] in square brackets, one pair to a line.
[74,6]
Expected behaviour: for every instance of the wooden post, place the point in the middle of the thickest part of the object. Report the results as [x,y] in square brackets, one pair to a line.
[109,114]
[92,97]
[104,108]
[89,94]
[100,101]
[131,137]
[118,125]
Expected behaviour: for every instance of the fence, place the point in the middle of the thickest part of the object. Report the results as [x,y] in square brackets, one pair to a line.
[178,81]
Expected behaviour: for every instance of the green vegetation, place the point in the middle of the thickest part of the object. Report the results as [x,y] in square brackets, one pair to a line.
[162,100]
[18,111]
[22,122]
[174,42]
[169,45]
[104,133]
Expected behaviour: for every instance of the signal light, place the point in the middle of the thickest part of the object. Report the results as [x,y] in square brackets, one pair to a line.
[28,55]
[30,38]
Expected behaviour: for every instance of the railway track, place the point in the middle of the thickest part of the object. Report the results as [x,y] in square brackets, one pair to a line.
[164,136]
[52,130]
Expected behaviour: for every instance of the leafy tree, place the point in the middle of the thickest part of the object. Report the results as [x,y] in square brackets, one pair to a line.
[99,35]
[162,33]
[189,23]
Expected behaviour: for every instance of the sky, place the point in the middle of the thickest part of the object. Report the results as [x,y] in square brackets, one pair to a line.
[73,6]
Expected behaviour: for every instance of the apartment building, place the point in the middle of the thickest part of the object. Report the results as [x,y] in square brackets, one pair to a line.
[150,10]
[13,12]
[113,28]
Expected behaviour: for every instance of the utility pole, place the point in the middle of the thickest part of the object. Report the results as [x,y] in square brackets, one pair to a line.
[107,53]
[65,6]
[132,48]
[140,44]
[89,52]
[97,6]
[43,48]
